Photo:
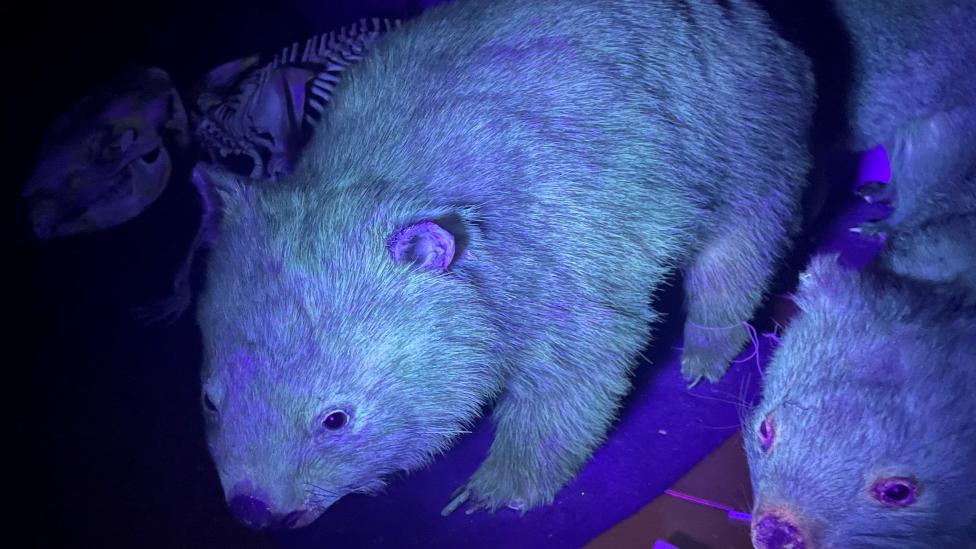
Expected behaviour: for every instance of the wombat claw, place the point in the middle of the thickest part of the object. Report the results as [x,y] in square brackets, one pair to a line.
[871,230]
[458,498]
[463,494]
[517,505]
[697,365]
[874,192]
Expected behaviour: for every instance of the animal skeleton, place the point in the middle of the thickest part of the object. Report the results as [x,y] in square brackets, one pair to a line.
[106,160]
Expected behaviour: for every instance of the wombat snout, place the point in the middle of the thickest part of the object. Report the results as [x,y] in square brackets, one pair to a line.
[254,513]
[773,532]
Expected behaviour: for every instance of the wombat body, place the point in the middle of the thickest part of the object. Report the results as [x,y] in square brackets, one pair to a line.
[865,433]
[528,177]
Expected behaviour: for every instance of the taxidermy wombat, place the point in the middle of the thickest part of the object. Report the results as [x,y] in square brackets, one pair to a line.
[865,435]
[528,175]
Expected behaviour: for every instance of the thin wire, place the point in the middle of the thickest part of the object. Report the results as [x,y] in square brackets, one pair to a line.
[733,514]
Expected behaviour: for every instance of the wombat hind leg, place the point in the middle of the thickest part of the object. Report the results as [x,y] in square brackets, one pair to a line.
[723,288]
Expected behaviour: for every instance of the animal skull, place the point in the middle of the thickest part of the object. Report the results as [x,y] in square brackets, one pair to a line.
[106,160]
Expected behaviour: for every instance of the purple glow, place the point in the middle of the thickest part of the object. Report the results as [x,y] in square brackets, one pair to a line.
[895,491]
[740,516]
[767,433]
[875,166]
[425,244]
[251,511]
[245,366]
[772,531]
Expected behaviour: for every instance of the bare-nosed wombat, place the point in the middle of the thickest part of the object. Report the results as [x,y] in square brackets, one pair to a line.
[865,433]
[529,174]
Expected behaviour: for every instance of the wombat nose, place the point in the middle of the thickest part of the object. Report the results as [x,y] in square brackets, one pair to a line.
[251,512]
[292,519]
[773,532]
[254,513]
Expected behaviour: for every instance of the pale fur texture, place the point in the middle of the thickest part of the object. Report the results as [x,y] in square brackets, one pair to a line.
[579,152]
[875,378]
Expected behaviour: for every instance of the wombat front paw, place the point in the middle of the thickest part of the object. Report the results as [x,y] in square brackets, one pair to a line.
[709,351]
[490,490]
[698,365]
[464,494]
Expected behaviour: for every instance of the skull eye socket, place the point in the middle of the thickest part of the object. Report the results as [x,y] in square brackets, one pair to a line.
[895,491]
[114,146]
[767,433]
[151,156]
[110,153]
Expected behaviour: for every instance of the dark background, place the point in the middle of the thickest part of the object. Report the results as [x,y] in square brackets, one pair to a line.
[107,439]
[107,442]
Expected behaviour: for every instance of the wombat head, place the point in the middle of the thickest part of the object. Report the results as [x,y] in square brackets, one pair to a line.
[865,434]
[343,342]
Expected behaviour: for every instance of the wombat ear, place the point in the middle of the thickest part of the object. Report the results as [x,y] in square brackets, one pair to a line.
[426,244]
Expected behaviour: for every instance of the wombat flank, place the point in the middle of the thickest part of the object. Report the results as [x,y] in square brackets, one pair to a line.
[493,197]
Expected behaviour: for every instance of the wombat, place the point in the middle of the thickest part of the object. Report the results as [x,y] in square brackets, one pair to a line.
[865,433]
[529,175]
[864,436]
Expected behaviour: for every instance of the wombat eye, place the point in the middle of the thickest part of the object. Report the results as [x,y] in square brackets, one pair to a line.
[335,420]
[209,404]
[766,433]
[895,491]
